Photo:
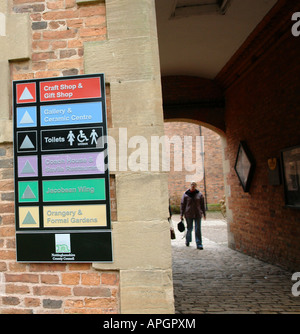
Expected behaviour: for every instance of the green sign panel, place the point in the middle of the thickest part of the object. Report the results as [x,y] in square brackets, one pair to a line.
[73,190]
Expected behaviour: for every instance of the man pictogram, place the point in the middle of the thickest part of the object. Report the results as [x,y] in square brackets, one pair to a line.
[94,136]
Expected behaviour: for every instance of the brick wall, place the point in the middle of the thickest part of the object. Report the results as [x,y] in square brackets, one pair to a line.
[266,101]
[214,179]
[59,29]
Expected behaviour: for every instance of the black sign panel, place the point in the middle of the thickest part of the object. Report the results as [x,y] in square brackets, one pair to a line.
[27,141]
[68,247]
[72,138]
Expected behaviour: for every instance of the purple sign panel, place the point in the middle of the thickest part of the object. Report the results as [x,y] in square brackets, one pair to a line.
[73,164]
[27,166]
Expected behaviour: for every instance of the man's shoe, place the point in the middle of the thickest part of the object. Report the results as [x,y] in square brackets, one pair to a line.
[200,247]
[187,244]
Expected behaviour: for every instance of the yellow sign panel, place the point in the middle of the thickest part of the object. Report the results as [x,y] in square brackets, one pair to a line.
[29,217]
[71,216]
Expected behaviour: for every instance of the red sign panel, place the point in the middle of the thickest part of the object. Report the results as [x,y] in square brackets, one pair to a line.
[71,89]
[26,93]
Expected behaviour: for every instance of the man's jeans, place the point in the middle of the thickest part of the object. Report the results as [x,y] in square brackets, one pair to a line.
[198,235]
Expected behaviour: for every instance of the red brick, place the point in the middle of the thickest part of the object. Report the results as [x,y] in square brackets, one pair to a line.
[109,279]
[6,185]
[49,279]
[25,278]
[90,279]
[60,15]
[16,289]
[41,267]
[100,302]
[70,278]
[43,56]
[79,266]
[40,45]
[92,292]
[91,11]
[32,302]
[7,254]
[51,291]
[10,300]
[92,32]
[7,231]
[60,34]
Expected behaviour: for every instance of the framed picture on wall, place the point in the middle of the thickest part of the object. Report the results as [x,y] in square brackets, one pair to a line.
[244,166]
[290,159]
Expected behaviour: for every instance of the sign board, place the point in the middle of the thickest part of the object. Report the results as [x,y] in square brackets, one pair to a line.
[62,203]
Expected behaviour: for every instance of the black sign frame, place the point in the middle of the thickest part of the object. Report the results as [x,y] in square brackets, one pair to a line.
[29,211]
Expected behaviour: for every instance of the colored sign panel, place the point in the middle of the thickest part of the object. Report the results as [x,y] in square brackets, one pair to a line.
[27,166]
[70,216]
[74,190]
[69,139]
[26,117]
[73,164]
[71,89]
[26,92]
[68,114]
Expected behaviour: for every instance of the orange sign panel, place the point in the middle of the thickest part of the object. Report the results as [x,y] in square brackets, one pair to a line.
[71,89]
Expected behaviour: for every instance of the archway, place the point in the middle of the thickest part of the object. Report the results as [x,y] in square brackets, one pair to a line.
[195,107]
[194,99]
[204,163]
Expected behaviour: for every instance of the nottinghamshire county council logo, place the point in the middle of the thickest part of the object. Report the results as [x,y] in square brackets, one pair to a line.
[62,243]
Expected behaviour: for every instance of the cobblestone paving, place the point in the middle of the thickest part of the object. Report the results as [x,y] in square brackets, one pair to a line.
[220,280]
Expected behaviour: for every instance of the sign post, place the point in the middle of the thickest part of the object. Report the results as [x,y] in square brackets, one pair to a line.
[62,202]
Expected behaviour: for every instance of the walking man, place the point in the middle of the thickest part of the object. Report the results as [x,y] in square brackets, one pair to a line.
[193,208]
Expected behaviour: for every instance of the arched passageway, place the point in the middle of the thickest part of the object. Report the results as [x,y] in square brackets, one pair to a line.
[200,151]
[194,99]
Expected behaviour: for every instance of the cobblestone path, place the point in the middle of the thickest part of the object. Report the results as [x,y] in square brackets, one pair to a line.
[220,280]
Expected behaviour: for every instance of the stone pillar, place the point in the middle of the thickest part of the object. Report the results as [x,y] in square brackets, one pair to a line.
[141,237]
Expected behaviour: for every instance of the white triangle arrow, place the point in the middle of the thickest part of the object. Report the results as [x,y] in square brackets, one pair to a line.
[26,119]
[27,143]
[26,95]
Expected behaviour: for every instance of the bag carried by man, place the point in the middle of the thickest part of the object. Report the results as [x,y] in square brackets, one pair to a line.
[181,226]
